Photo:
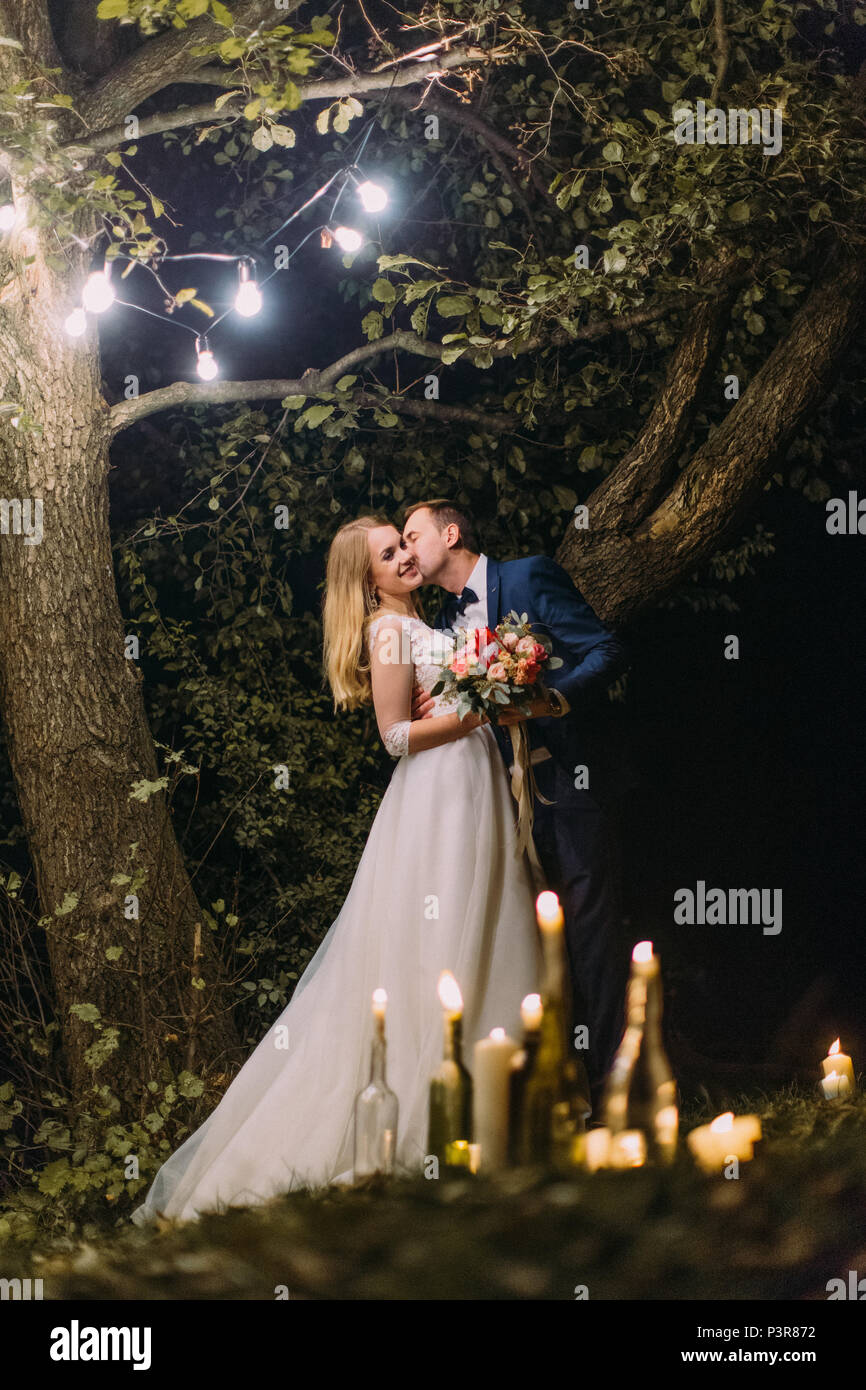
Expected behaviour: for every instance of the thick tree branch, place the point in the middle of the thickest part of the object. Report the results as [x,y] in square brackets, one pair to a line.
[121,91]
[126,413]
[166,59]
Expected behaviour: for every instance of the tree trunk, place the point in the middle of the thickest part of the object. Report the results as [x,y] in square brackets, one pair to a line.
[652,523]
[72,706]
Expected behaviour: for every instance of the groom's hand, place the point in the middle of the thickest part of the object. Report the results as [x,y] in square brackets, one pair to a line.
[422,703]
[538,709]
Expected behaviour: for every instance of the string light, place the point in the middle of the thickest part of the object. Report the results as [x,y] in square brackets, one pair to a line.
[249,297]
[98,292]
[7,217]
[76,323]
[347,238]
[373,196]
[206,364]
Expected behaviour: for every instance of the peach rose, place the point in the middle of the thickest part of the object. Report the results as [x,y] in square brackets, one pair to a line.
[525,646]
[497,672]
[459,666]
[509,641]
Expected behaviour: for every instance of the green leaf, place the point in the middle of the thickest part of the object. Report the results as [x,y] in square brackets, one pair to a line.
[314,416]
[740,212]
[221,14]
[292,402]
[113,952]
[322,120]
[227,96]
[112,9]
[451,305]
[612,152]
[262,139]
[283,135]
[383,290]
[372,325]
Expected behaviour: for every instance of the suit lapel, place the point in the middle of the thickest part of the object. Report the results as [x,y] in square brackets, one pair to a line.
[494,593]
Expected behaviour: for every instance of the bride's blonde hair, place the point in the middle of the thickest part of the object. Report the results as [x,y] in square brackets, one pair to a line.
[348,606]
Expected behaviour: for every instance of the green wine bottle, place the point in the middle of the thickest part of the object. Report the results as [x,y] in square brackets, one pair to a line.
[450,1114]
[555,1099]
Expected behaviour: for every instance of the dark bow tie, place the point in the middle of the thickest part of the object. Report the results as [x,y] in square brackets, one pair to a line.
[456,605]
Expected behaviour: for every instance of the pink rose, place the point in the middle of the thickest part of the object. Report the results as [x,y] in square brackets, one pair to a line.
[526,646]
[459,667]
[497,672]
[539,653]
[509,641]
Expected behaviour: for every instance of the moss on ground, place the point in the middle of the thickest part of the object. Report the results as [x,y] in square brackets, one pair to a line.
[795,1218]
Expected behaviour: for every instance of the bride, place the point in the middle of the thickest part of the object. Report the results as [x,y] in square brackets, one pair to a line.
[440,886]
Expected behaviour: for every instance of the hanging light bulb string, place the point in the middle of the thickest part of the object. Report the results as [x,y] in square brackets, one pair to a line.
[98,292]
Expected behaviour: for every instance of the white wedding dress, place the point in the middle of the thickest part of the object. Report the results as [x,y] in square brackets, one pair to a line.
[439,886]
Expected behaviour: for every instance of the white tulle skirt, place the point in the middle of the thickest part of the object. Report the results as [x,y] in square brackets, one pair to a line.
[439,886]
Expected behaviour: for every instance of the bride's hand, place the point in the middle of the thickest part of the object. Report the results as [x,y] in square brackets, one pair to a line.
[422,703]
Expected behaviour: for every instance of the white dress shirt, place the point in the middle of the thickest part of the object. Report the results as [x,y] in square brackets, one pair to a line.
[475,614]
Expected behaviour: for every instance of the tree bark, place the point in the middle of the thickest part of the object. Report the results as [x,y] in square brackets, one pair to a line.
[651,524]
[73,709]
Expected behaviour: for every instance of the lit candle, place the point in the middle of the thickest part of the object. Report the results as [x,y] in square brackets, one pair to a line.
[530,1012]
[491,1073]
[380,1002]
[627,1149]
[450,1113]
[835,1086]
[449,995]
[596,1148]
[727,1137]
[548,912]
[840,1063]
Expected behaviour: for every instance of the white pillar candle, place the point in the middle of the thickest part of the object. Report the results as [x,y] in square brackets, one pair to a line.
[627,1149]
[840,1063]
[491,1073]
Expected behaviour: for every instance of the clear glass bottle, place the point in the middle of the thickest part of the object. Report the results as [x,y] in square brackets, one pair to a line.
[640,1097]
[376,1108]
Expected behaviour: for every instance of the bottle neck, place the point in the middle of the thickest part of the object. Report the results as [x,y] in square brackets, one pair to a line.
[453,1037]
[644,1006]
[377,1052]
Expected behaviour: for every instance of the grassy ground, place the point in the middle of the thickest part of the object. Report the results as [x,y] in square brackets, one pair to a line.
[795,1218]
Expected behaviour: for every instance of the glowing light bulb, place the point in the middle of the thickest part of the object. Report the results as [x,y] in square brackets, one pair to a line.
[98,292]
[348,239]
[373,196]
[7,217]
[206,365]
[76,323]
[248,300]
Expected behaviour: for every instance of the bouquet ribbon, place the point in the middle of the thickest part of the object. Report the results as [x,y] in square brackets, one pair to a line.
[524,790]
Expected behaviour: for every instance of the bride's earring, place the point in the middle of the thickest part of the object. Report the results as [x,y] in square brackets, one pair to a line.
[374,601]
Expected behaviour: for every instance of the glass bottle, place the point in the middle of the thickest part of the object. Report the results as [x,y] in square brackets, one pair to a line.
[450,1115]
[555,1099]
[522,1064]
[640,1097]
[376,1107]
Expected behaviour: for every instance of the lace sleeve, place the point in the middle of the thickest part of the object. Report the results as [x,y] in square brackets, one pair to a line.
[391,675]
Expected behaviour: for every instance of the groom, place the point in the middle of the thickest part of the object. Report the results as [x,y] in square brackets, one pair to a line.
[574,836]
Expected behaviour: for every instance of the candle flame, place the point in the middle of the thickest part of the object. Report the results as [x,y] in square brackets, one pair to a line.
[831,1051]
[722,1123]
[449,993]
[642,952]
[380,997]
[547,904]
[532,1001]
[497,1033]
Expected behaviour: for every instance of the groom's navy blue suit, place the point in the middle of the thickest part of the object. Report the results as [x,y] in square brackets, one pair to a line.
[574,836]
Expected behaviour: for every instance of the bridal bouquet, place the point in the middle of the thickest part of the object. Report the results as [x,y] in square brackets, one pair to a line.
[490,670]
